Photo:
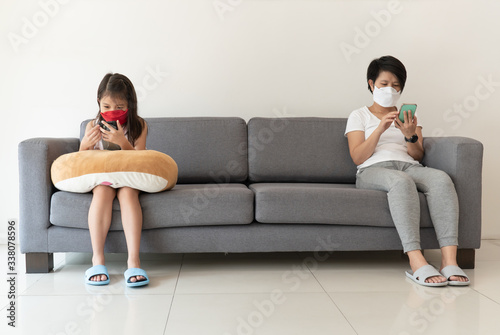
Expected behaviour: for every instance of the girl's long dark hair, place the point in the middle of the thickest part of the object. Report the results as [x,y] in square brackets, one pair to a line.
[117,86]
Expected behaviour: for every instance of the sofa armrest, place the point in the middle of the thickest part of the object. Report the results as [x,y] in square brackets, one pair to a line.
[35,188]
[462,159]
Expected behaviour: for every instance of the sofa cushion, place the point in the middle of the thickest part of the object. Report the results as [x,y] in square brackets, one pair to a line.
[206,149]
[184,205]
[299,150]
[340,204]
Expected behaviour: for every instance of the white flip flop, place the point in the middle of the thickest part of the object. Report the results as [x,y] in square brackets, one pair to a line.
[422,274]
[453,270]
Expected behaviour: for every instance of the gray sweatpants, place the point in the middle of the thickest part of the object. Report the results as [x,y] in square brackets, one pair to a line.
[401,181]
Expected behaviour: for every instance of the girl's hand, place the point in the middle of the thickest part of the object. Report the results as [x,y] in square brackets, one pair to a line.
[386,121]
[113,135]
[408,128]
[91,137]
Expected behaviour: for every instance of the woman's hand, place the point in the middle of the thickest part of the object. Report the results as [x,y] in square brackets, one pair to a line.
[91,137]
[386,121]
[408,128]
[113,135]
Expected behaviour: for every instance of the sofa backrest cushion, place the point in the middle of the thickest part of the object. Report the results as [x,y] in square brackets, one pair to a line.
[299,150]
[206,149]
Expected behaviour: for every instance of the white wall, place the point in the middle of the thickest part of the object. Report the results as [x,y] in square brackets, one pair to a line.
[249,58]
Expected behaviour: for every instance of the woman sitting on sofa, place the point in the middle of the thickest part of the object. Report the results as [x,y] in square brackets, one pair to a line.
[387,153]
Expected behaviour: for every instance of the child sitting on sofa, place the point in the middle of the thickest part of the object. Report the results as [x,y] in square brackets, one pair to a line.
[117,101]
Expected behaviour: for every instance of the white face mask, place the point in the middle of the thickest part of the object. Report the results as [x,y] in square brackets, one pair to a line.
[386,96]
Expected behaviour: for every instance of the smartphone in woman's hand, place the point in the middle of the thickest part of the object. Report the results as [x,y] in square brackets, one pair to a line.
[407,107]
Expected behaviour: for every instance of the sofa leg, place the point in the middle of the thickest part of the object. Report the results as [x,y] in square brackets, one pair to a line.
[466,258]
[404,256]
[39,262]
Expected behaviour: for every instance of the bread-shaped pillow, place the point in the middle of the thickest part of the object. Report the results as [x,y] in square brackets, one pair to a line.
[146,170]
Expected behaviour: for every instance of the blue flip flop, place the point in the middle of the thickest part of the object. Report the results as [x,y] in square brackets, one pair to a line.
[94,271]
[132,272]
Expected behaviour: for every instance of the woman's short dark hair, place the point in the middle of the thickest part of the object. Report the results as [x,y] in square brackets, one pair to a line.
[389,64]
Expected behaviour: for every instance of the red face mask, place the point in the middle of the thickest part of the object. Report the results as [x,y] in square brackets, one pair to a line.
[116,115]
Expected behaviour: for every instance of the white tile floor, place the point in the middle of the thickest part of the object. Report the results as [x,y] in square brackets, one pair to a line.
[292,293]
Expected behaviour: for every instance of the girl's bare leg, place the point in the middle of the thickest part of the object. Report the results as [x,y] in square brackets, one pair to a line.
[99,222]
[132,226]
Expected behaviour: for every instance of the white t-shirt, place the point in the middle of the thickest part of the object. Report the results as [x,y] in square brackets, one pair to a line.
[391,145]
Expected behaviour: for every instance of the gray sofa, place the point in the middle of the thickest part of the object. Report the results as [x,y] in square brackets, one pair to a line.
[269,185]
